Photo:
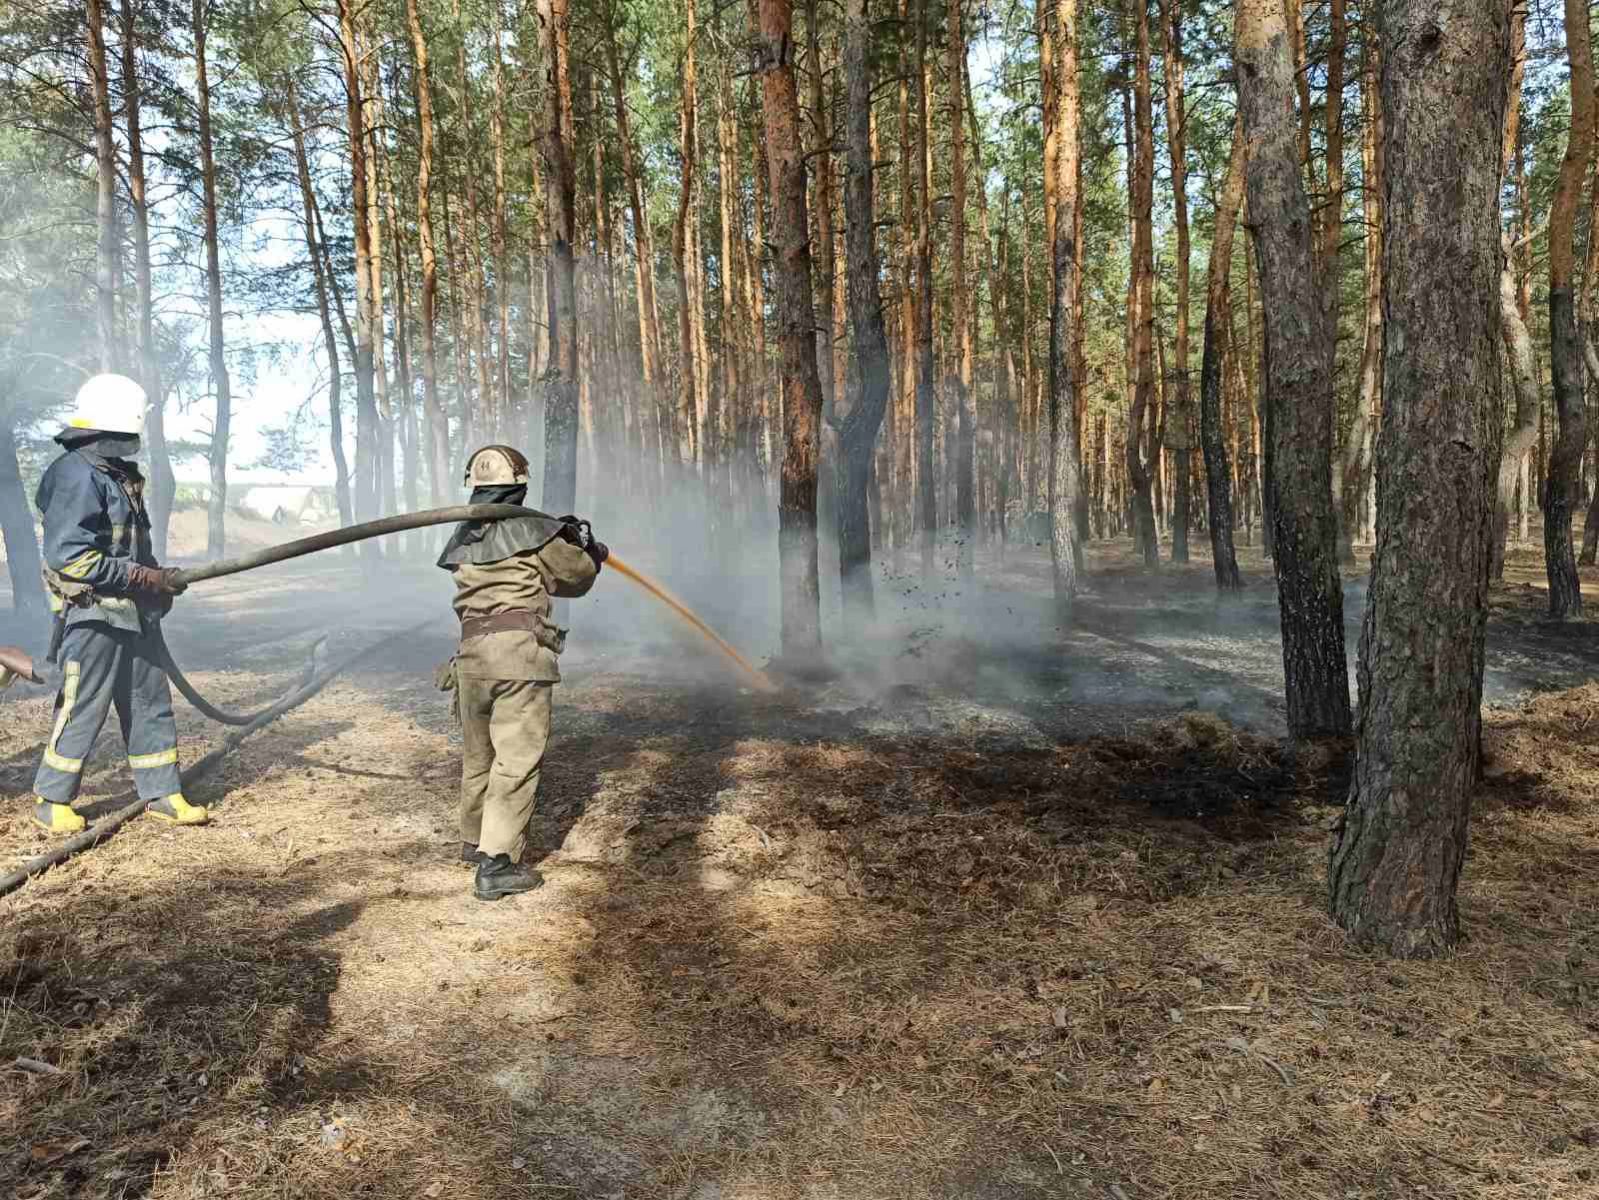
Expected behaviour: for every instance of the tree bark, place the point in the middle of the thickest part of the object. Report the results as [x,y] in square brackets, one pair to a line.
[162,485]
[437,436]
[961,334]
[560,200]
[1299,380]
[498,240]
[383,460]
[366,413]
[105,189]
[926,481]
[802,386]
[1396,860]
[341,485]
[1218,319]
[827,319]
[1180,436]
[1061,453]
[690,402]
[216,527]
[1140,472]
[1563,482]
[16,525]
[858,432]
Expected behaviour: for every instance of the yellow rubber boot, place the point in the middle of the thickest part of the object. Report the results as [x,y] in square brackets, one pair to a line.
[177,810]
[57,818]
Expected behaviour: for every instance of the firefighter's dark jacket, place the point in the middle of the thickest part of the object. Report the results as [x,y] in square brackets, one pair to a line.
[95,527]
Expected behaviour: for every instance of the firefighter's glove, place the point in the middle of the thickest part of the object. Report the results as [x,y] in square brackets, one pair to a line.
[444,676]
[159,581]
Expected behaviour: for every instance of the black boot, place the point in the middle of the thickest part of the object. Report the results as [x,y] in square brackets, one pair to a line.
[498,877]
[471,854]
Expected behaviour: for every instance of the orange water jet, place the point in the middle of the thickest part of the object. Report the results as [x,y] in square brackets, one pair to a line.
[756,677]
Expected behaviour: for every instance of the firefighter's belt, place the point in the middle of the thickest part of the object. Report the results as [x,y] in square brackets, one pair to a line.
[551,637]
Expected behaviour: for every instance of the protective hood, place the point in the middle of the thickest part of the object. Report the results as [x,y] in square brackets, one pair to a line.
[98,444]
[491,541]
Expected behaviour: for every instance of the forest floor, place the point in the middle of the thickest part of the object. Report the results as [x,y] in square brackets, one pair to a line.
[989,912]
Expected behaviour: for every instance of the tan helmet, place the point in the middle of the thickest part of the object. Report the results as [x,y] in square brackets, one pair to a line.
[494,465]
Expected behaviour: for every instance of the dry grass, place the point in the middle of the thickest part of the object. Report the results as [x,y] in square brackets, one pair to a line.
[779,958]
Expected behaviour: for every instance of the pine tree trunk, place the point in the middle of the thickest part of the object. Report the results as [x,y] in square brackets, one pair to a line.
[383,488]
[498,244]
[961,334]
[437,437]
[1396,860]
[16,522]
[318,256]
[690,402]
[858,435]
[1218,320]
[105,189]
[1062,453]
[926,480]
[366,413]
[820,158]
[162,486]
[1180,424]
[802,386]
[1141,471]
[1563,482]
[1299,379]
[217,523]
[560,199]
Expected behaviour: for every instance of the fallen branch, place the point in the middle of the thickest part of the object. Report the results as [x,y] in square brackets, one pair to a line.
[34,1067]
[103,829]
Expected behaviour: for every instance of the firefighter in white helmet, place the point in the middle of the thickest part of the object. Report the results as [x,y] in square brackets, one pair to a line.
[505,573]
[104,586]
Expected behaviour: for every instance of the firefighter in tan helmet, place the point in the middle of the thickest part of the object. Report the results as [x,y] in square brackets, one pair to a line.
[506,572]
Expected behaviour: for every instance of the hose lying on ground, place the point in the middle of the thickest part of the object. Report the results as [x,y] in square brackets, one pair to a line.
[107,826]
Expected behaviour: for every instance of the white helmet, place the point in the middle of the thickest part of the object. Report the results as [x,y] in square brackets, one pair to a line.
[110,404]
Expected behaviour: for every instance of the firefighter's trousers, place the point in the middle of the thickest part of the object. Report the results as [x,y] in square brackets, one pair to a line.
[103,667]
[505,727]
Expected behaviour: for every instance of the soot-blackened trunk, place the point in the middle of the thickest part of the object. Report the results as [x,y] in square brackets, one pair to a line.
[1299,381]
[1396,860]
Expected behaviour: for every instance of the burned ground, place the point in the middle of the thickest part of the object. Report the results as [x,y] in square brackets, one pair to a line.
[964,918]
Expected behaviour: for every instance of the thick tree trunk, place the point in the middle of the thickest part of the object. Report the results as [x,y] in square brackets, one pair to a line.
[1299,379]
[216,527]
[1563,483]
[560,201]
[926,480]
[1356,462]
[341,469]
[1218,320]
[366,412]
[105,273]
[802,386]
[1141,471]
[162,485]
[437,427]
[1396,859]
[858,433]
[961,333]
[1180,435]
[1062,451]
